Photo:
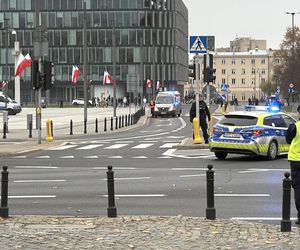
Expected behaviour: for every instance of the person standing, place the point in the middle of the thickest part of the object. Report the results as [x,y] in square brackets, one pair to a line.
[152,105]
[203,114]
[293,138]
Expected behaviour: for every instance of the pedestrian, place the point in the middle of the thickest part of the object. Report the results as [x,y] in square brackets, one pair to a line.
[152,105]
[203,114]
[293,138]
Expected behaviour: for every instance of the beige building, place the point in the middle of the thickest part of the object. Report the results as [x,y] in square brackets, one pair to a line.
[242,72]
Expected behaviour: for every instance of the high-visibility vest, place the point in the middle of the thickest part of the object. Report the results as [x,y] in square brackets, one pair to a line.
[294,150]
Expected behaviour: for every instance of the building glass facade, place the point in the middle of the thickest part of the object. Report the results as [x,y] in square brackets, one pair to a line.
[151,43]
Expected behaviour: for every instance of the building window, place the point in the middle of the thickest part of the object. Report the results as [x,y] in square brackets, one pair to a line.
[243,97]
[233,61]
[233,71]
[233,81]
[263,61]
[243,81]
[263,71]
[263,80]
[252,81]
[252,61]
[243,71]
[223,61]
[253,71]
[223,71]
[243,61]
[223,80]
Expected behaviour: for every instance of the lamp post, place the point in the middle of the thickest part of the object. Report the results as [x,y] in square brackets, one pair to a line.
[254,82]
[16,53]
[293,27]
[6,59]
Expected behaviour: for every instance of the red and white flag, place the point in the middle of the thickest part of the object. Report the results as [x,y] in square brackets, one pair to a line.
[3,84]
[158,85]
[149,83]
[23,62]
[107,79]
[75,74]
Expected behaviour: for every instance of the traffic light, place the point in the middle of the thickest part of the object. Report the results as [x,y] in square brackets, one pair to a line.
[42,80]
[35,75]
[48,75]
[209,75]
[192,70]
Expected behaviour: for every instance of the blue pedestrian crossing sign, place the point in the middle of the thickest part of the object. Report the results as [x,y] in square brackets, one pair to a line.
[198,44]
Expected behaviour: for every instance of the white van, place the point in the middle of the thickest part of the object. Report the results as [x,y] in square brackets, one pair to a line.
[12,106]
[167,103]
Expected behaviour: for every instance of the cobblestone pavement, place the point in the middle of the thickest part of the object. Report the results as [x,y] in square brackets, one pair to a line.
[141,232]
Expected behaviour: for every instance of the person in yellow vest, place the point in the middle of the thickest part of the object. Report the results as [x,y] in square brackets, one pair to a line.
[293,138]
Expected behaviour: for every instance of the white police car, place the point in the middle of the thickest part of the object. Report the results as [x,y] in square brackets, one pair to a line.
[252,132]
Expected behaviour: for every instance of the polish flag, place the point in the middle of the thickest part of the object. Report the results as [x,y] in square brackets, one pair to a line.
[149,83]
[107,79]
[158,85]
[23,62]
[75,74]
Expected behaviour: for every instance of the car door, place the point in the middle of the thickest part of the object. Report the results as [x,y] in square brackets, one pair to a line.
[2,102]
[287,120]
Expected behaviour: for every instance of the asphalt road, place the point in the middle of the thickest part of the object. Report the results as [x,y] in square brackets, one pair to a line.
[151,177]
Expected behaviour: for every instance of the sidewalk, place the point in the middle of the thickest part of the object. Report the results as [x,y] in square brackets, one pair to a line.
[141,232]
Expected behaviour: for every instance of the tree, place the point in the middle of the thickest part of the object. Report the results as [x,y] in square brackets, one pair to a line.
[289,55]
[268,87]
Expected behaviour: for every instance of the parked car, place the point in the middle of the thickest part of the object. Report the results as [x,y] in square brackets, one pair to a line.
[80,101]
[251,133]
[11,106]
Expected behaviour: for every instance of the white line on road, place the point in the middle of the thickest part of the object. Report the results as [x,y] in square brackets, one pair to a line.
[194,175]
[91,157]
[169,145]
[242,195]
[30,196]
[67,157]
[37,181]
[132,178]
[183,169]
[89,146]
[116,146]
[137,195]
[144,145]
[115,157]
[62,147]
[43,157]
[259,218]
[36,167]
[140,157]
[257,170]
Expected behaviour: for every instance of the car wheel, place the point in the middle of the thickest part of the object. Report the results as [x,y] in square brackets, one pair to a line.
[10,112]
[221,155]
[272,150]
[75,104]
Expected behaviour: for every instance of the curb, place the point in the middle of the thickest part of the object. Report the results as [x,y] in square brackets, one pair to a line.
[188,143]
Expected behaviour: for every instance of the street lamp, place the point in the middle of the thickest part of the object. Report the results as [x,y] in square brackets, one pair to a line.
[16,53]
[6,59]
[293,26]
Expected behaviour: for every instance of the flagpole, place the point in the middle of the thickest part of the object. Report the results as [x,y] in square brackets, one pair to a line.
[114,72]
[85,67]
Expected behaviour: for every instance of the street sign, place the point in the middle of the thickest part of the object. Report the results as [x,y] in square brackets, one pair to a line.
[202,44]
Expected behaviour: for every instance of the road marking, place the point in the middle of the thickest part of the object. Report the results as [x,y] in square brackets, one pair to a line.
[257,170]
[121,168]
[164,125]
[144,145]
[90,146]
[183,169]
[140,157]
[260,218]
[195,175]
[36,181]
[67,157]
[242,195]
[164,157]
[133,178]
[91,157]
[150,131]
[115,157]
[30,196]
[63,147]
[43,157]
[169,145]
[137,195]
[20,157]
[116,146]
[36,167]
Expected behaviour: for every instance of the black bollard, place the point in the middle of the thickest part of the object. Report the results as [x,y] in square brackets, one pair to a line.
[125,120]
[286,203]
[120,121]
[4,130]
[131,120]
[210,210]
[116,123]
[4,193]
[105,125]
[111,123]
[30,129]
[96,125]
[51,128]
[128,123]
[71,127]
[111,210]
[85,121]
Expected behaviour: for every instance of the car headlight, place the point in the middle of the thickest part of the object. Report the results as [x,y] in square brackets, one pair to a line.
[155,108]
[217,131]
[171,108]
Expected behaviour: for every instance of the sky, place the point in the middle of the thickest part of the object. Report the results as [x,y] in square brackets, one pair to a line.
[229,19]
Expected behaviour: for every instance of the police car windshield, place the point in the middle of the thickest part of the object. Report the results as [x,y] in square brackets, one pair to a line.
[164,99]
[238,120]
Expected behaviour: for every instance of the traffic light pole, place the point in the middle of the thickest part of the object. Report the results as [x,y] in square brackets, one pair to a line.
[197,80]
[208,86]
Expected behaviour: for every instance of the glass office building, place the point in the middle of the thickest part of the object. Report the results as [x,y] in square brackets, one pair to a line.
[151,43]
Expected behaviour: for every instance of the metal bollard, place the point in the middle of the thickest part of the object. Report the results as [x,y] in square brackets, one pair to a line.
[111,123]
[116,123]
[210,210]
[52,128]
[85,123]
[71,127]
[120,121]
[30,129]
[131,119]
[4,130]
[4,193]
[111,210]
[105,125]
[128,123]
[126,120]
[286,203]
[96,125]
